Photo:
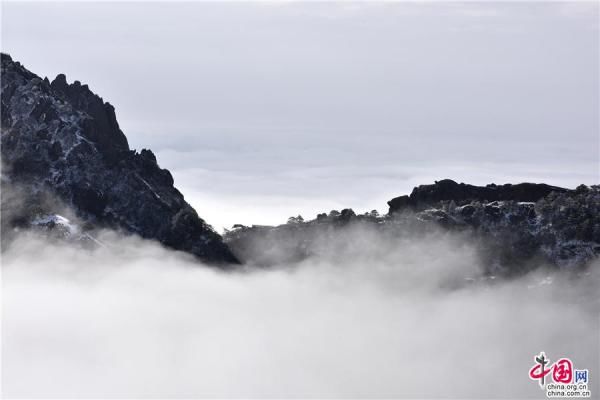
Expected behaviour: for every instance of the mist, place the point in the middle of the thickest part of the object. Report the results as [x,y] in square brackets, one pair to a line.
[374,318]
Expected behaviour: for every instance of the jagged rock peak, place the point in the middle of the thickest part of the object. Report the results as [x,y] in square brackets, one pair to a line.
[64,140]
[102,127]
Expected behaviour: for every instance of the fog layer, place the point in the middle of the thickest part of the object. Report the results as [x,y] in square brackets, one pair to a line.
[131,319]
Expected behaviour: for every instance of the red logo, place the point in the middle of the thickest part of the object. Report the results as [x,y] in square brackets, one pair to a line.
[562,370]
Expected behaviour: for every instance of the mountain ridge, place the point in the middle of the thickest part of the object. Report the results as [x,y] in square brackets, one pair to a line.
[512,233]
[62,149]
[63,141]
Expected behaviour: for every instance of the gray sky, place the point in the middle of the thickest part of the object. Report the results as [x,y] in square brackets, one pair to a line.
[265,110]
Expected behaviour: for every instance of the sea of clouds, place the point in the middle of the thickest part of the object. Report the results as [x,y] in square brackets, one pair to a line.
[130,319]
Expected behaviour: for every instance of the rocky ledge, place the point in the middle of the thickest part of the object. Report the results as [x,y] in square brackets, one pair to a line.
[425,196]
[62,148]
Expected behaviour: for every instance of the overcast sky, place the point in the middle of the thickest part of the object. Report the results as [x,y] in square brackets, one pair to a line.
[266,110]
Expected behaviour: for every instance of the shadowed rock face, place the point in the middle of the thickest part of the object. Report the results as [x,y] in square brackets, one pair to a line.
[62,141]
[426,195]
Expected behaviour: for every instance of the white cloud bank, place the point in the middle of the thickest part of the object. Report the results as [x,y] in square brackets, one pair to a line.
[134,320]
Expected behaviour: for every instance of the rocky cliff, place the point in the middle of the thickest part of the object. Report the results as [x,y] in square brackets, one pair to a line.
[62,147]
[514,227]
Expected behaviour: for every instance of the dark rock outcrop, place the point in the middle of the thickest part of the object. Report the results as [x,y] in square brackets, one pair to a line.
[561,228]
[426,195]
[62,141]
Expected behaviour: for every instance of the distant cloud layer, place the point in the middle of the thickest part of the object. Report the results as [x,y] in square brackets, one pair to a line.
[267,110]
